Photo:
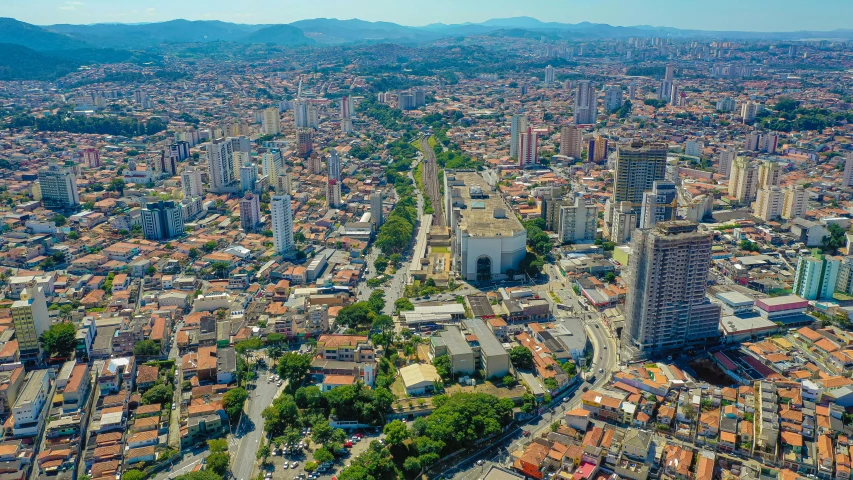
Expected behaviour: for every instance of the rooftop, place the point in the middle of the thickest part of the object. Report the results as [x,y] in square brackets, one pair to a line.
[491,217]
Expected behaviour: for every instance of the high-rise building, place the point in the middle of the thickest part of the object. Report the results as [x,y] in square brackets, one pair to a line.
[571,141]
[578,222]
[769,203]
[248,177]
[666,307]
[612,98]
[406,101]
[271,123]
[333,193]
[191,183]
[749,111]
[346,114]
[769,174]
[313,116]
[272,164]
[625,219]
[597,148]
[586,105]
[179,150]
[420,97]
[632,90]
[743,181]
[377,216]
[161,164]
[282,223]
[726,104]
[162,220]
[220,157]
[304,142]
[844,283]
[31,320]
[847,178]
[694,148]
[796,203]
[528,148]
[92,157]
[250,212]
[315,164]
[638,165]
[665,89]
[816,276]
[752,142]
[727,157]
[334,163]
[677,96]
[58,187]
[549,75]
[659,204]
[769,142]
[300,114]
[518,124]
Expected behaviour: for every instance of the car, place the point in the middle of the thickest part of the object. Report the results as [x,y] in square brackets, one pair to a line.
[174,406]
[359,435]
[355,439]
[584,389]
[526,433]
[605,347]
[278,383]
[294,464]
[348,445]
[565,399]
[286,466]
[480,462]
[600,370]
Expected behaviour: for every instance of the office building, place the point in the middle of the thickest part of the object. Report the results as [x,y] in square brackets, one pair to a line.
[250,212]
[282,223]
[665,88]
[677,98]
[748,112]
[571,141]
[376,213]
[161,164]
[847,178]
[31,320]
[727,157]
[586,105]
[271,123]
[597,148]
[549,75]
[220,158]
[528,148]
[191,183]
[91,157]
[769,174]
[334,163]
[578,222]
[162,220]
[612,98]
[420,97]
[488,239]
[816,276]
[659,204]
[795,203]
[743,181]
[58,187]
[304,142]
[490,356]
[248,177]
[638,165]
[769,203]
[517,126]
[666,308]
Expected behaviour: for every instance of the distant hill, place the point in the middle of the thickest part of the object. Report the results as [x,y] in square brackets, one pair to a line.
[35,37]
[285,35]
[147,35]
[332,30]
[21,63]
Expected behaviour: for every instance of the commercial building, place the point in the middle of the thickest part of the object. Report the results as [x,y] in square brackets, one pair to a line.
[220,158]
[58,187]
[282,223]
[27,412]
[162,220]
[304,142]
[250,212]
[419,378]
[586,104]
[490,356]
[452,343]
[31,320]
[666,307]
[571,141]
[488,240]
[816,276]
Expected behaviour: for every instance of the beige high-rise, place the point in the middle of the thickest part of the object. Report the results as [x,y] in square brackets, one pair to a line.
[571,141]
[743,181]
[769,173]
[768,204]
[638,165]
[795,203]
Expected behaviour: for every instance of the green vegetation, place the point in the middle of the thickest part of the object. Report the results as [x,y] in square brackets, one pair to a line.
[233,401]
[64,122]
[160,393]
[146,348]
[293,367]
[653,102]
[521,357]
[637,71]
[59,340]
[398,229]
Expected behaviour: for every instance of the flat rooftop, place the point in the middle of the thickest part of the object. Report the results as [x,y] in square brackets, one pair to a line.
[32,388]
[489,344]
[485,214]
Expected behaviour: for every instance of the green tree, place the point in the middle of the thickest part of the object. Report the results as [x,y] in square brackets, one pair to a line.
[200,475]
[233,401]
[146,348]
[133,475]
[355,315]
[293,367]
[509,381]
[217,445]
[263,452]
[210,246]
[159,393]
[280,415]
[322,455]
[377,301]
[59,340]
[403,304]
[381,264]
[396,433]
[442,366]
[220,268]
[570,368]
[218,463]
[521,357]
[412,465]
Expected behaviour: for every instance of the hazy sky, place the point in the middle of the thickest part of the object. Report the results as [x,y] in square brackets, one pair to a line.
[752,15]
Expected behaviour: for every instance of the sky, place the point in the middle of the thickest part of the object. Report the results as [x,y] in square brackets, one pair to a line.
[742,15]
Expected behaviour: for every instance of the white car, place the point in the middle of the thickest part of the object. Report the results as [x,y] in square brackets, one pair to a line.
[294,464]
[286,466]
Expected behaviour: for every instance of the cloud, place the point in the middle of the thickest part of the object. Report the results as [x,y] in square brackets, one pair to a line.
[70,5]
[150,11]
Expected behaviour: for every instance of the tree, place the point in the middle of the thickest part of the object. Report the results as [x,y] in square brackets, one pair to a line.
[218,463]
[233,401]
[355,315]
[194,253]
[200,475]
[396,433]
[246,346]
[521,357]
[280,415]
[383,324]
[570,368]
[403,304]
[310,466]
[377,301]
[133,475]
[293,367]
[381,264]
[217,445]
[60,220]
[322,455]
[509,381]
[395,259]
[210,246]
[221,268]
[442,366]
[146,348]
[610,277]
[412,465]
[159,393]
[60,339]
[263,452]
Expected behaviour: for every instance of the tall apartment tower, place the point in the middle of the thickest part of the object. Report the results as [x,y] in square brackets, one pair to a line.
[250,212]
[571,141]
[271,123]
[586,105]
[795,203]
[612,98]
[847,178]
[769,174]
[659,204]
[304,142]
[346,114]
[769,142]
[638,165]
[748,112]
[92,157]
[272,164]
[300,114]
[334,165]
[666,308]
[376,213]
[282,223]
[333,194]
[58,187]
[248,177]
[727,157]
[31,320]
[528,148]
[518,124]
[769,203]
[743,181]
[816,276]
[162,220]
[625,220]
[578,222]
[191,183]
[549,75]
[597,148]
[752,143]
[665,89]
[220,158]
[315,164]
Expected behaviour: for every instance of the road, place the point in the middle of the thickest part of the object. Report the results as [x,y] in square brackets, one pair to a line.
[249,432]
[187,463]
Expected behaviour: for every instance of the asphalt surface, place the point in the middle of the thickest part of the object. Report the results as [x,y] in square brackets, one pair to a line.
[246,439]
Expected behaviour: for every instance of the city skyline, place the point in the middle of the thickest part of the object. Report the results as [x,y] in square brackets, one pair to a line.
[752,15]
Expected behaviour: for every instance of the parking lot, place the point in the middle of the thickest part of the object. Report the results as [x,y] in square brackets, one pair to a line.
[278,471]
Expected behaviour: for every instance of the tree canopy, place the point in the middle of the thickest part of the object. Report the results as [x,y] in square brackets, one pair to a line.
[521,357]
[60,339]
